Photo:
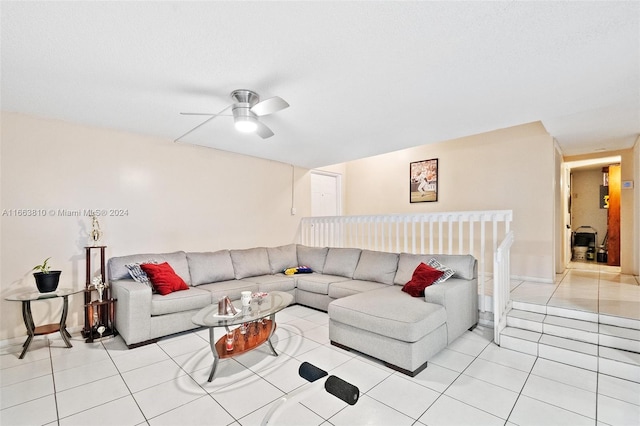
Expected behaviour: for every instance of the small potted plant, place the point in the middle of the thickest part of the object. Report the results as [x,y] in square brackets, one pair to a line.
[46,279]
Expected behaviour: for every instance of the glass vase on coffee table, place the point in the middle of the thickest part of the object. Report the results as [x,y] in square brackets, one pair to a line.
[258,320]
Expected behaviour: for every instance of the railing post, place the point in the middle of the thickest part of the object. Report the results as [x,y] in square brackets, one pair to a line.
[501,285]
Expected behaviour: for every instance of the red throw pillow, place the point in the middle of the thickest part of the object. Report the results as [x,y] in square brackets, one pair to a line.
[163,278]
[422,278]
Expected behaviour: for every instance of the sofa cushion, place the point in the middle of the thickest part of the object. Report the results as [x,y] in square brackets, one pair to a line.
[376,266]
[276,282]
[423,277]
[180,301]
[210,267]
[283,257]
[250,262]
[313,257]
[164,278]
[317,283]
[231,288]
[463,264]
[347,288]
[389,312]
[341,261]
[117,269]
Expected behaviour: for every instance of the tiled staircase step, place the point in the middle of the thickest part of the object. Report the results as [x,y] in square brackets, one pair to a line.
[575,325]
[619,321]
[619,338]
[568,351]
[526,320]
[519,333]
[520,340]
[569,344]
[572,313]
[530,307]
[584,331]
[619,363]
[596,342]
[588,326]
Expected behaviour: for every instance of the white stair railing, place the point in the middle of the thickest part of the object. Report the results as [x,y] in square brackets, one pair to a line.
[501,286]
[467,232]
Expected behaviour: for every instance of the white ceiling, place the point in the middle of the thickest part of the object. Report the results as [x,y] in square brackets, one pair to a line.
[362,78]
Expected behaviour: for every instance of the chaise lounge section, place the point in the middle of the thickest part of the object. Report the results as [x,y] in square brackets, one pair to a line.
[360,289]
[405,331]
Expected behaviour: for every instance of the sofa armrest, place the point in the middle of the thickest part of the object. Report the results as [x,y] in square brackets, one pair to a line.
[133,310]
[460,299]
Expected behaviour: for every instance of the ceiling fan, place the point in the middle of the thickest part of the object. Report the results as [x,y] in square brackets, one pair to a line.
[245,111]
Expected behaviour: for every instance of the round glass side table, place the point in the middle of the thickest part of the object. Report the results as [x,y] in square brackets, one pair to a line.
[26,298]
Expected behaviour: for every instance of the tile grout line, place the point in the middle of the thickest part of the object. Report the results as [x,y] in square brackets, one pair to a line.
[125,382]
[521,389]
[53,379]
[454,380]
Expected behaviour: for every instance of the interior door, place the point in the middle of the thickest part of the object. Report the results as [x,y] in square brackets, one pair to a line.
[325,194]
[613,218]
[566,207]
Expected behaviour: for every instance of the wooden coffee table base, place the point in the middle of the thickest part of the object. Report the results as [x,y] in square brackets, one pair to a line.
[257,333]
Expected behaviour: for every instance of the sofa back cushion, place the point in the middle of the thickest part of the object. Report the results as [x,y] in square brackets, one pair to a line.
[465,265]
[341,261]
[376,266]
[210,267]
[250,262]
[283,257]
[178,260]
[313,257]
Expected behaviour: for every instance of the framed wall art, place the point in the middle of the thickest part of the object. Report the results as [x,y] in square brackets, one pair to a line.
[423,181]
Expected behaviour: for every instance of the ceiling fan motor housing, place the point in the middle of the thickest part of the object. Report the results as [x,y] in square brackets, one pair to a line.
[245,119]
[245,96]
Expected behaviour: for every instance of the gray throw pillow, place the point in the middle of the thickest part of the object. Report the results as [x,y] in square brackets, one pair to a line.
[210,267]
[313,257]
[376,266]
[250,262]
[283,257]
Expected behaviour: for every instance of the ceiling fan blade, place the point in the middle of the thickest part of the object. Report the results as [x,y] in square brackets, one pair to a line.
[269,106]
[200,113]
[203,123]
[263,131]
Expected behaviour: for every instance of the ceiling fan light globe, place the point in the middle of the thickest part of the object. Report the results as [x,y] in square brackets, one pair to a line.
[245,125]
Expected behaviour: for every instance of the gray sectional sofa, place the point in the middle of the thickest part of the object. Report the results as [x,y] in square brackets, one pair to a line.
[360,290]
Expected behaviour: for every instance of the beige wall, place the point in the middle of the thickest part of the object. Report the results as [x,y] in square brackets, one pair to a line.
[629,211]
[560,209]
[176,197]
[505,169]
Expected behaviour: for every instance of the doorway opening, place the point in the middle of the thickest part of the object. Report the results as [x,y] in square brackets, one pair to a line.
[592,212]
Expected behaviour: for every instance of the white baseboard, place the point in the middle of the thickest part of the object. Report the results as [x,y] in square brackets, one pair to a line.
[532,279]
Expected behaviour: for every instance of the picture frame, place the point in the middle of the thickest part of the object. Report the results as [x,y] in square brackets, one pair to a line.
[423,181]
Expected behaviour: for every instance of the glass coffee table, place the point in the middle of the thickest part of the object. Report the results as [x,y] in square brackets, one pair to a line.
[256,322]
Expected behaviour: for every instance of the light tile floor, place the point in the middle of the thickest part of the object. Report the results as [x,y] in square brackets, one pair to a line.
[473,381]
[586,286]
